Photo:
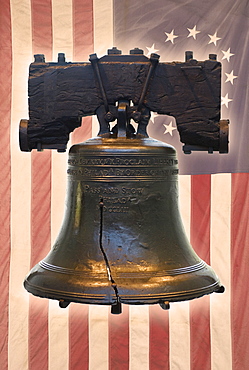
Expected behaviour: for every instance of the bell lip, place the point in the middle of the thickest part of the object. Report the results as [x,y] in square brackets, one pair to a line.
[133,299]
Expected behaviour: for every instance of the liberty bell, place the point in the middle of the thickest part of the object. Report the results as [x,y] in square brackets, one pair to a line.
[122,238]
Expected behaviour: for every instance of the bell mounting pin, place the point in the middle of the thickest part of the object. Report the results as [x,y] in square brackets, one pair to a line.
[164,305]
[116,308]
[221,289]
[63,304]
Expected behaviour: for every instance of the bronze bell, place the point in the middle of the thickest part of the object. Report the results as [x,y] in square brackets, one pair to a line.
[122,239]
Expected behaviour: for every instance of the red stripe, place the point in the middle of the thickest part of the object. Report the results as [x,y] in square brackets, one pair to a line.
[42,27]
[82,46]
[40,245]
[200,240]
[40,200]
[83,132]
[200,215]
[119,340]
[5,180]
[41,205]
[239,270]
[82,29]
[38,333]
[159,339]
[78,337]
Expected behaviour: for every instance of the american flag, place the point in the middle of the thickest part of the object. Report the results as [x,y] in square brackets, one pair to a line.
[208,333]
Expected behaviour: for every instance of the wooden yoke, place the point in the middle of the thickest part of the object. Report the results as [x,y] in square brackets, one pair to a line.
[60,94]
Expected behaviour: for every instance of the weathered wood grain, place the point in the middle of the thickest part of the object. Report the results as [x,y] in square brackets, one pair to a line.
[60,94]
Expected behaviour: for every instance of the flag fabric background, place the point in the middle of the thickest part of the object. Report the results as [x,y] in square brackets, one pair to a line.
[208,333]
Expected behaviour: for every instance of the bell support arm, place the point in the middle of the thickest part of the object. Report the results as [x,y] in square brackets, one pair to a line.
[104,113]
[141,114]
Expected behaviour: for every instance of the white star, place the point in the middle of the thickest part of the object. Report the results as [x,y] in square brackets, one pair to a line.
[153,116]
[214,38]
[151,50]
[230,77]
[170,36]
[193,32]
[225,100]
[227,54]
[169,128]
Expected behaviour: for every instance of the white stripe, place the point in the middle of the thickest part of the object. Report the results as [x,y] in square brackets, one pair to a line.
[58,192]
[58,317]
[185,201]
[139,337]
[220,261]
[103,26]
[179,336]
[179,326]
[58,336]
[98,337]
[62,28]
[20,189]
[103,37]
